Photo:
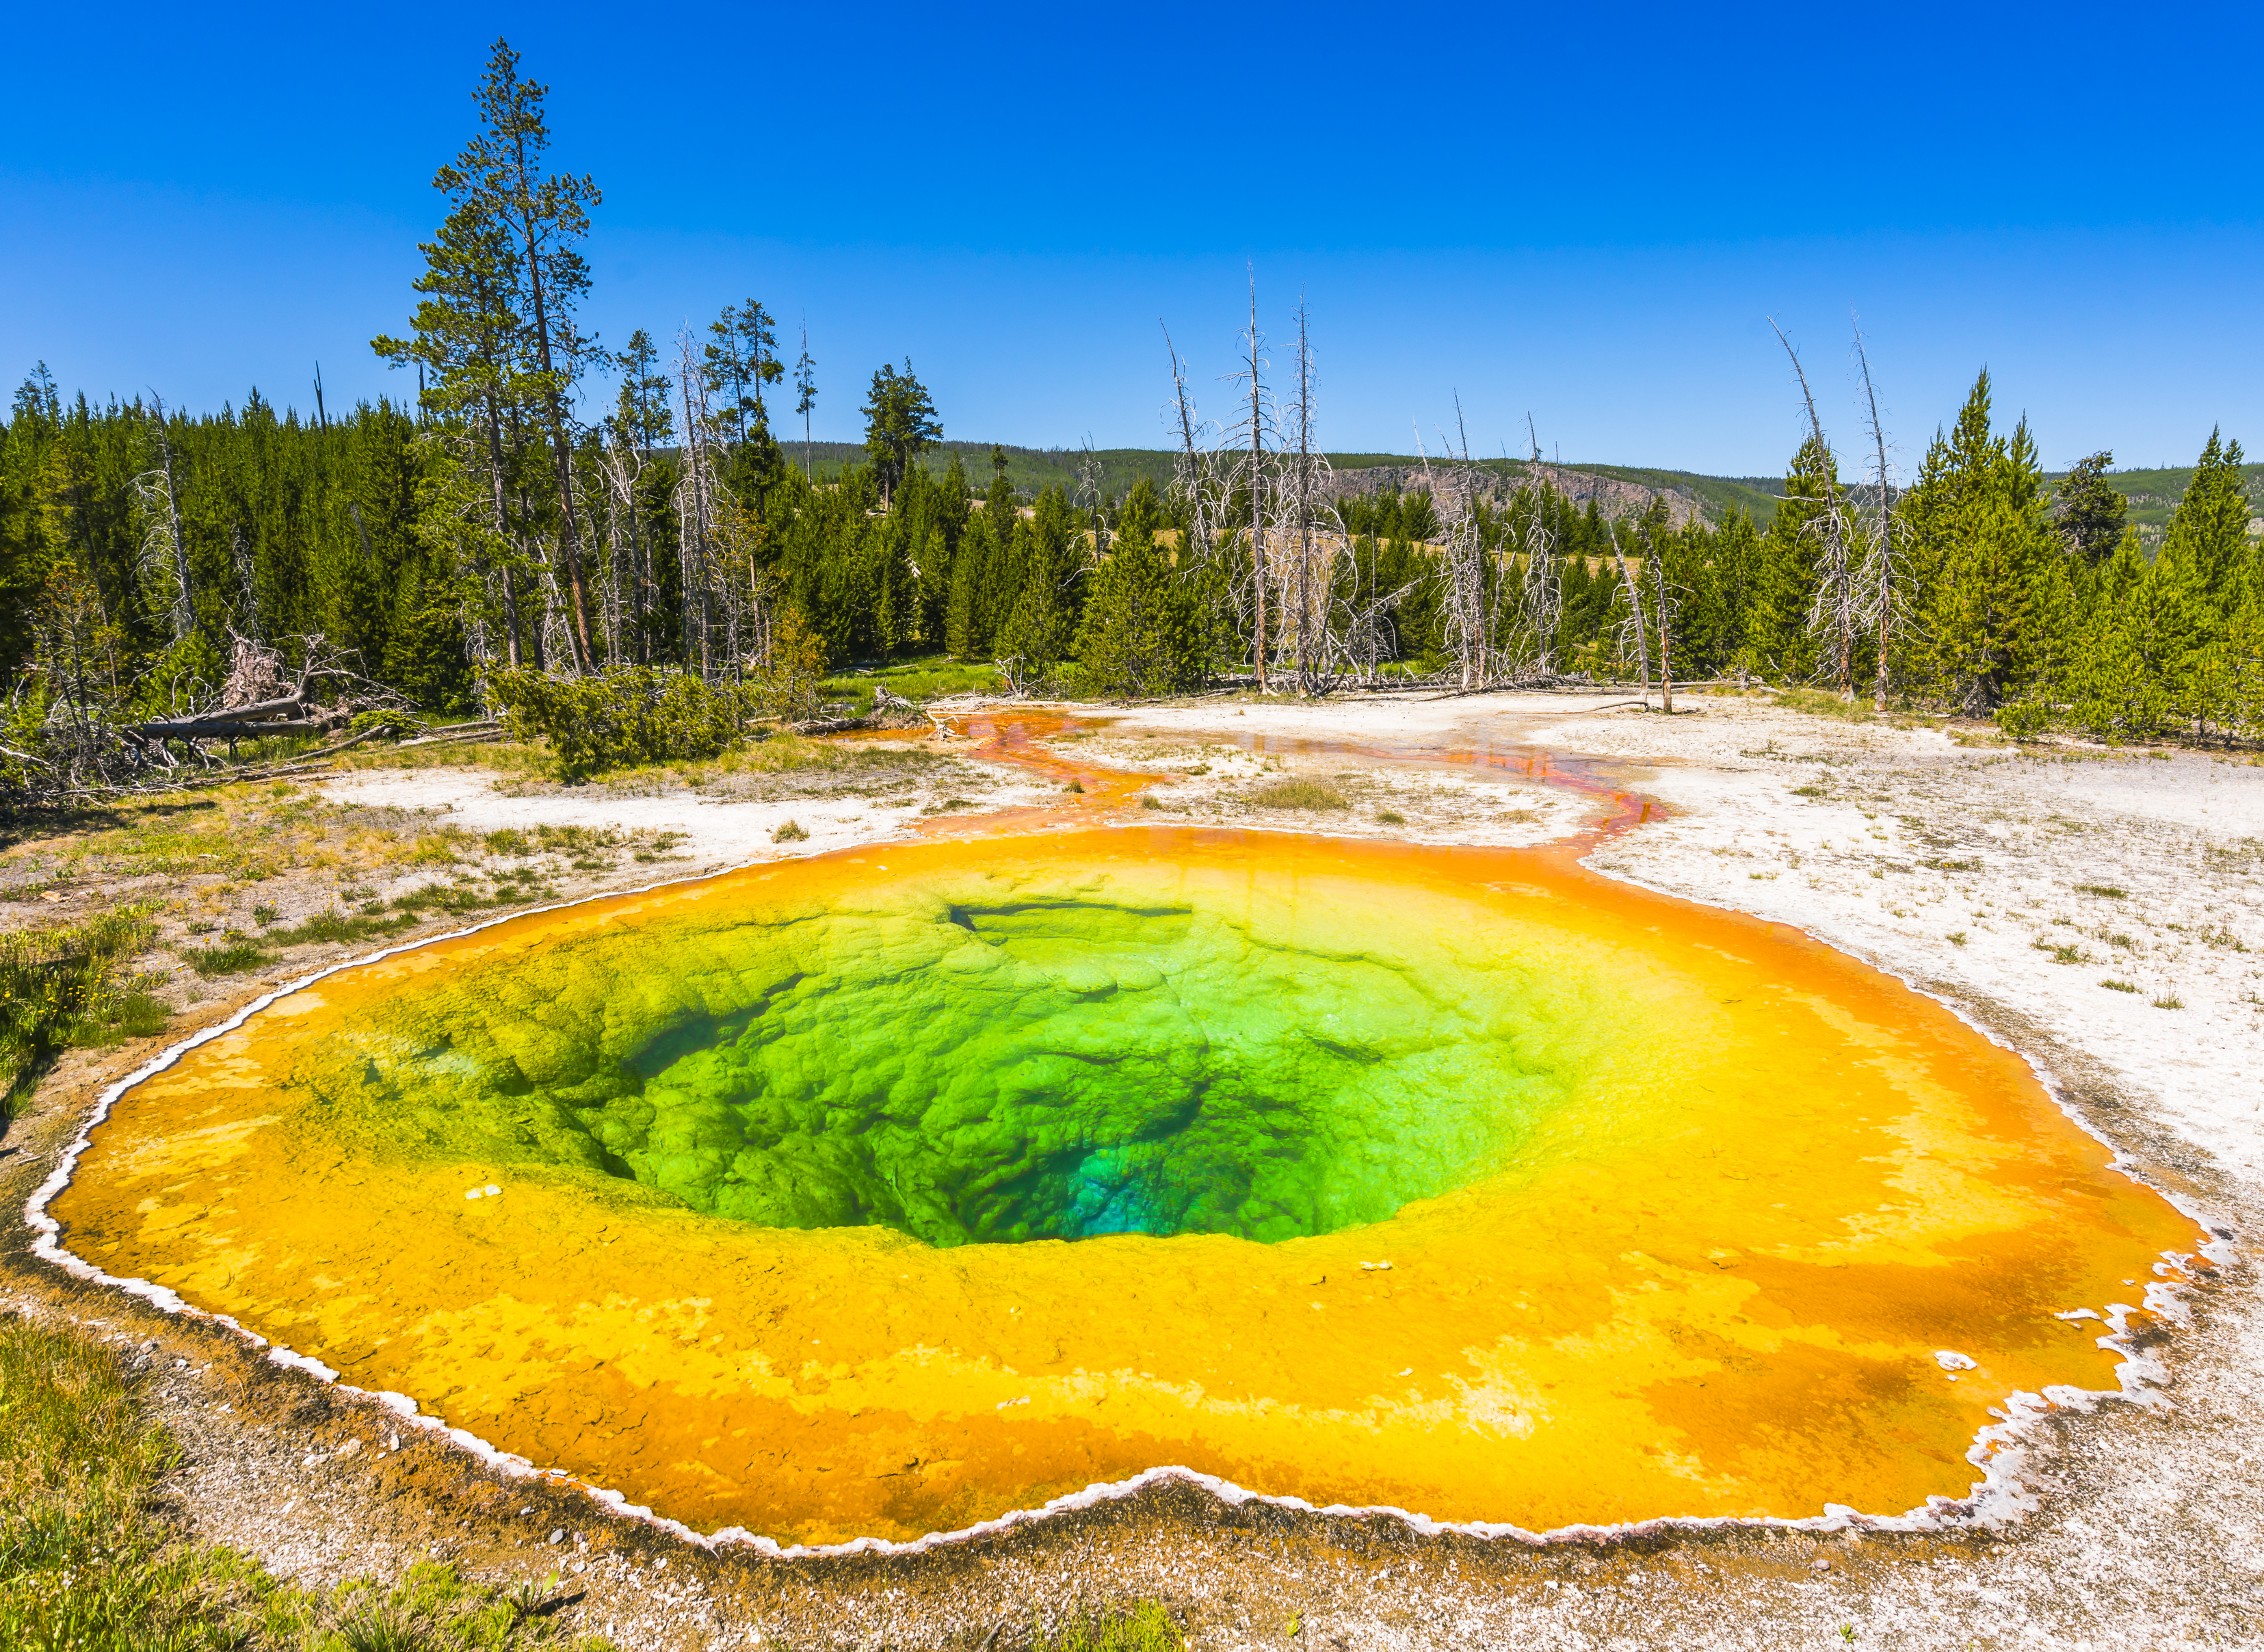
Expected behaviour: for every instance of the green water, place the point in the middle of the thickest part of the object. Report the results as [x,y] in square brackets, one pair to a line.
[1050,1065]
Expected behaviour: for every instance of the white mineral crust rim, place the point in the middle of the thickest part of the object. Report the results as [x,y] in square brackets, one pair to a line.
[1999,1451]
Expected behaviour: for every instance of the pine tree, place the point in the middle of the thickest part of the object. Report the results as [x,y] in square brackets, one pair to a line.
[469,333]
[2212,520]
[496,181]
[1986,612]
[967,631]
[2089,510]
[1038,630]
[2235,666]
[1986,560]
[2109,679]
[805,393]
[900,424]
[1140,634]
[1778,642]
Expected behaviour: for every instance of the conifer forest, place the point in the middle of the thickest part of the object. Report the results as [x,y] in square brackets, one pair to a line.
[540,520]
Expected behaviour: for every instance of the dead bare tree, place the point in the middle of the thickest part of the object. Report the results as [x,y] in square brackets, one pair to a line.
[247,585]
[1199,480]
[1256,426]
[1468,618]
[1664,607]
[1836,610]
[622,465]
[1884,575]
[1635,623]
[165,557]
[1542,594]
[696,508]
[1309,537]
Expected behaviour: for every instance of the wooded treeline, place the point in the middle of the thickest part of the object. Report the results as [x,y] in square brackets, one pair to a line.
[133,542]
[479,532]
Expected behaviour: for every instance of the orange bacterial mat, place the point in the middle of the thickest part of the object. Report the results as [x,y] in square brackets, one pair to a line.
[884,1193]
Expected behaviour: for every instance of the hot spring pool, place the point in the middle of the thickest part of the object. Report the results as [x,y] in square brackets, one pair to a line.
[882,1193]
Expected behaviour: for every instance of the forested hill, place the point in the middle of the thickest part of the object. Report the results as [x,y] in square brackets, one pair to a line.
[2154,496]
[1032,471]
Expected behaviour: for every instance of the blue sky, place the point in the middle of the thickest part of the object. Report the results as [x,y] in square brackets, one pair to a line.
[1587,216]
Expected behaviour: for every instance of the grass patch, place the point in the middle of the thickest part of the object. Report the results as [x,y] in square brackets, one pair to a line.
[336,925]
[1149,800]
[1389,817]
[931,677]
[791,831]
[2118,986]
[2105,891]
[2059,954]
[90,1561]
[230,957]
[1824,705]
[1299,793]
[792,754]
[1144,1628]
[508,756]
[2169,1000]
[1955,937]
[72,986]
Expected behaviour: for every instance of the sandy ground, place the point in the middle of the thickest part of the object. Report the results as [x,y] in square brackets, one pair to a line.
[2012,884]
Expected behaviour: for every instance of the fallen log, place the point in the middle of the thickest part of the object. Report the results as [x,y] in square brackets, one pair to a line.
[228,721]
[461,734]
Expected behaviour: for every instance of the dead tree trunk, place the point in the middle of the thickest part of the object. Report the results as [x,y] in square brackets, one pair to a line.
[1880,570]
[1835,613]
[164,552]
[1258,489]
[1635,613]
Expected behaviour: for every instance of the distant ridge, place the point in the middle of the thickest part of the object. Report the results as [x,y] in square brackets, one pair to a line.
[1617,489]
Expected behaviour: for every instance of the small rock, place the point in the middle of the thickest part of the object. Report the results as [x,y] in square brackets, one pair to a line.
[1821,1565]
[558,1534]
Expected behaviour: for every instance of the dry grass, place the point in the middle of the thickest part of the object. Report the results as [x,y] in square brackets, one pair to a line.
[1299,793]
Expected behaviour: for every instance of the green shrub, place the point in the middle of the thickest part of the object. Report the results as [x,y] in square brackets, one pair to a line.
[790,833]
[2024,719]
[395,723]
[624,716]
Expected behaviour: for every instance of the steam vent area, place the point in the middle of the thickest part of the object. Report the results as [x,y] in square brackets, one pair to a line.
[885,1192]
